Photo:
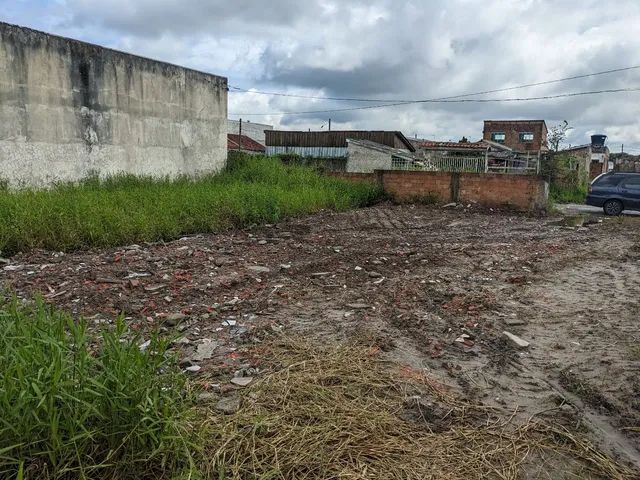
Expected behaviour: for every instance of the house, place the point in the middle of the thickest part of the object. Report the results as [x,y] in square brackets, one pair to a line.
[592,157]
[254,131]
[365,156]
[330,144]
[244,144]
[519,135]
[432,149]
[480,156]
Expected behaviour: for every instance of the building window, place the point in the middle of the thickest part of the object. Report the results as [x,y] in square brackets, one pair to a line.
[498,137]
[526,137]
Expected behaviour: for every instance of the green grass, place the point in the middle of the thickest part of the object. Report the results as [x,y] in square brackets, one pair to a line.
[127,209]
[70,408]
[559,194]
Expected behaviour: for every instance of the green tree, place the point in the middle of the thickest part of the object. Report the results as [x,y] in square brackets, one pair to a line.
[557,135]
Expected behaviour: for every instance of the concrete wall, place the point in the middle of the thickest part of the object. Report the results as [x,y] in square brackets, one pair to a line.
[252,130]
[68,109]
[365,160]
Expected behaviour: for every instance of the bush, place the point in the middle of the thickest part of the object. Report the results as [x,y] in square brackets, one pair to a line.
[127,209]
[73,409]
[568,178]
[560,194]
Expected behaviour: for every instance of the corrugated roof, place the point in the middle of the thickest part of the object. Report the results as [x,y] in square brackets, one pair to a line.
[335,138]
[381,148]
[245,143]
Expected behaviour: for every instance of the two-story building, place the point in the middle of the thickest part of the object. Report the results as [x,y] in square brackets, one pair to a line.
[518,135]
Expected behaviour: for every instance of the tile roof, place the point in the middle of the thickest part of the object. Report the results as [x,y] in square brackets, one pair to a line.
[452,145]
[245,143]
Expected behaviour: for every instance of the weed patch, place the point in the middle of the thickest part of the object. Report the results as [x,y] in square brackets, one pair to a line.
[73,408]
[571,194]
[127,209]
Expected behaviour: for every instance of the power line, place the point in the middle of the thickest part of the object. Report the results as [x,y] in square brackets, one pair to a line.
[507,89]
[444,100]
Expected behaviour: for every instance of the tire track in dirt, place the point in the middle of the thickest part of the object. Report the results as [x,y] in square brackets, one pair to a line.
[584,322]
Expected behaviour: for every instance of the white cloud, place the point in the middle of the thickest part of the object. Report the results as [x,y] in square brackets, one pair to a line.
[384,48]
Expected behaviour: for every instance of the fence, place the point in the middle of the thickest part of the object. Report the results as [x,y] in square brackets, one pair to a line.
[451,163]
[519,164]
[522,164]
[408,163]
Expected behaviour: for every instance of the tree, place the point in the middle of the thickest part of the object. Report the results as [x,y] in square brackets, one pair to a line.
[557,134]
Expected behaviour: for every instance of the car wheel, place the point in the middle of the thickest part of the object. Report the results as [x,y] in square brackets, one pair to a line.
[613,207]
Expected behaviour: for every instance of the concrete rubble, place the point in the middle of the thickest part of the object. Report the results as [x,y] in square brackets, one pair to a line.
[474,298]
[515,340]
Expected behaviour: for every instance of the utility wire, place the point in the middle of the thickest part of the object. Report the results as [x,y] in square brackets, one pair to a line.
[445,100]
[346,99]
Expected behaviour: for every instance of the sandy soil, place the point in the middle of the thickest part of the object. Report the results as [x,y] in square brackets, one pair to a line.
[434,288]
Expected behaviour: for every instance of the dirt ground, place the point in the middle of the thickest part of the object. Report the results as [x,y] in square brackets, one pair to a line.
[434,288]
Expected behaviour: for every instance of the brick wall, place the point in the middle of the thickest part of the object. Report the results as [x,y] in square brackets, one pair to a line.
[408,185]
[512,130]
[355,177]
[524,192]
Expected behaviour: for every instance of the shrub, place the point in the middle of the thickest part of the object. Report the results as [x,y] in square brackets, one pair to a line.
[72,409]
[568,179]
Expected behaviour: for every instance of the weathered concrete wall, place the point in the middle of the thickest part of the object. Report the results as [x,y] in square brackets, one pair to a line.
[255,131]
[365,160]
[69,109]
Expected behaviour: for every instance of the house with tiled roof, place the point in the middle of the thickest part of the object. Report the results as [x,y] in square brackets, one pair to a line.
[244,144]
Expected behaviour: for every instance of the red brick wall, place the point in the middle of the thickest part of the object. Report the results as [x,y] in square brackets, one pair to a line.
[407,185]
[524,192]
[355,177]
[512,132]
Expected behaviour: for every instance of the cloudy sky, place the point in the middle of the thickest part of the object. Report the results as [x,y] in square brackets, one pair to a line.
[383,49]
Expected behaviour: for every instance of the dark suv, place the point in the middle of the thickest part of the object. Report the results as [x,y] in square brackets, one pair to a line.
[615,192]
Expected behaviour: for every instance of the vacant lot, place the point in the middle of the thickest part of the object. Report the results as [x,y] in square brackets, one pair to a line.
[432,288]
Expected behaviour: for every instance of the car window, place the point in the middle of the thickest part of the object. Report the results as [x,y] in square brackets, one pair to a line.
[607,181]
[632,183]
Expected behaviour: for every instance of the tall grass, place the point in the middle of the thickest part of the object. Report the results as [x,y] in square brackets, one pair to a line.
[567,194]
[126,209]
[73,409]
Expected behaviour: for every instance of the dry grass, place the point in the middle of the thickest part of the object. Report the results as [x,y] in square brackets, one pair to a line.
[345,414]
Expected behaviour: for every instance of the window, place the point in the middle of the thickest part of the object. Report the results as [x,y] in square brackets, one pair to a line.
[498,137]
[607,181]
[526,137]
[632,183]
